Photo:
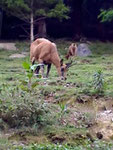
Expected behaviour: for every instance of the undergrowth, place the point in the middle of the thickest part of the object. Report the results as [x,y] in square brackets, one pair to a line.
[97,145]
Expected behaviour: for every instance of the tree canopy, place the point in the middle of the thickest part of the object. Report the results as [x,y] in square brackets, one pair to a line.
[85,16]
[106,15]
[31,10]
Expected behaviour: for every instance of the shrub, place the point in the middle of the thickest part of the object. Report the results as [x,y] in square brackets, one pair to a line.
[98,82]
[28,113]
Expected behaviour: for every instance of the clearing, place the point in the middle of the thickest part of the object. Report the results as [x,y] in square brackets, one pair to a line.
[76,113]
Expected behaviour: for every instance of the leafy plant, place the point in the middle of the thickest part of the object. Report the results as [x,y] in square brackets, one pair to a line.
[18,112]
[106,15]
[28,85]
[98,82]
[63,108]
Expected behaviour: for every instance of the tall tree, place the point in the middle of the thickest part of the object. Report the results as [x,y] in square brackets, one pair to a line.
[84,17]
[76,16]
[31,11]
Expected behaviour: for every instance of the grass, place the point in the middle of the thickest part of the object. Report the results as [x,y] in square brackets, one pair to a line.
[76,95]
[4,143]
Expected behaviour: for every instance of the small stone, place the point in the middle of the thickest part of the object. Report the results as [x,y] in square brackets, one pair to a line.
[67,85]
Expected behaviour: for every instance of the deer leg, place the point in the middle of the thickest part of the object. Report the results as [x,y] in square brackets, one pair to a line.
[37,71]
[48,70]
[42,70]
[33,60]
[41,67]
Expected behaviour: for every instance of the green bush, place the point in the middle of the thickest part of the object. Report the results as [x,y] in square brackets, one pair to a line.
[22,114]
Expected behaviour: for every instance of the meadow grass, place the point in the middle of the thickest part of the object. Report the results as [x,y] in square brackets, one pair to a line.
[49,93]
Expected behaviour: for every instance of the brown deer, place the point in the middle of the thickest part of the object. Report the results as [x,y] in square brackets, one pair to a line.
[45,52]
[72,51]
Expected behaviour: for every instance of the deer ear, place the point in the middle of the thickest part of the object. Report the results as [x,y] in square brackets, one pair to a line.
[61,62]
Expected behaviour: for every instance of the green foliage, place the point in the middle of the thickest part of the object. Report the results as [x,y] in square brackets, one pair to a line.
[28,10]
[17,109]
[59,11]
[18,8]
[29,72]
[98,82]
[4,143]
[37,109]
[48,8]
[26,66]
[28,85]
[97,145]
[63,108]
[106,15]
[19,115]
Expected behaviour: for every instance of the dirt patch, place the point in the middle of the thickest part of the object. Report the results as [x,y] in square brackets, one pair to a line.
[16,55]
[85,61]
[8,46]
[57,139]
[105,124]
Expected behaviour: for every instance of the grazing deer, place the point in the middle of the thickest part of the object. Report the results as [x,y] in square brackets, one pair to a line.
[72,51]
[45,52]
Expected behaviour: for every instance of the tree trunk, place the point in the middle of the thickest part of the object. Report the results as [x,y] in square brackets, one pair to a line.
[31,28]
[42,28]
[32,23]
[77,18]
[0,23]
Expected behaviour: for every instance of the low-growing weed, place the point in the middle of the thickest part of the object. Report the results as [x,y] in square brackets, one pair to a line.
[97,145]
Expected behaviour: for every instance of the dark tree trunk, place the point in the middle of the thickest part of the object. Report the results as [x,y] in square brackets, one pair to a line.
[0,22]
[101,31]
[77,18]
[42,28]
[31,28]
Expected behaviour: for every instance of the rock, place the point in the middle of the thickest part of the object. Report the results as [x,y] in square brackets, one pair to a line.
[8,46]
[83,50]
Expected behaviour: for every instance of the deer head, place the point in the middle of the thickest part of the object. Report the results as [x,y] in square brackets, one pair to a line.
[64,68]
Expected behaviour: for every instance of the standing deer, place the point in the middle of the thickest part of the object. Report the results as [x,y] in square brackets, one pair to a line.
[45,52]
[72,51]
